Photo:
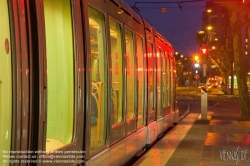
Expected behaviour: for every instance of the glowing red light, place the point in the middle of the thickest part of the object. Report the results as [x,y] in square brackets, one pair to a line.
[204,50]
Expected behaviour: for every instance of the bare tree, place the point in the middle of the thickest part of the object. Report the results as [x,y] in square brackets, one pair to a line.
[240,67]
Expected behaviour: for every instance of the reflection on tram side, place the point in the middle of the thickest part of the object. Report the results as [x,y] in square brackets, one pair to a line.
[141,81]
[115,94]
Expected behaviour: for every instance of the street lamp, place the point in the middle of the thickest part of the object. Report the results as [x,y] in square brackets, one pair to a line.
[209,10]
[209,28]
[196,65]
[196,58]
[196,76]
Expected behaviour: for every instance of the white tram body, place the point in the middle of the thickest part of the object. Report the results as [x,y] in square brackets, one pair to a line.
[82,82]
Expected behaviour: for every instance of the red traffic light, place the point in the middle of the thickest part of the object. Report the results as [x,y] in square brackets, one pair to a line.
[203,50]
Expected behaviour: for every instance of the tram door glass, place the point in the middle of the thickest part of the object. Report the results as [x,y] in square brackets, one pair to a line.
[141,77]
[98,101]
[130,68]
[172,83]
[60,73]
[117,72]
[151,81]
[5,82]
[168,80]
[164,81]
[158,82]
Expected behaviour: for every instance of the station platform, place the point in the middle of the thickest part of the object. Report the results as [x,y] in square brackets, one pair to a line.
[222,139]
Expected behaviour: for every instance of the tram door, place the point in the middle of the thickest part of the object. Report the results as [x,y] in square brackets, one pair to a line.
[61,102]
[141,81]
[97,87]
[158,60]
[151,84]
[165,84]
[173,83]
[168,57]
[130,85]
[60,74]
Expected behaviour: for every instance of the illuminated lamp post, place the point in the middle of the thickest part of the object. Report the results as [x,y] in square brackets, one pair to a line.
[196,58]
[196,75]
[196,65]
[204,52]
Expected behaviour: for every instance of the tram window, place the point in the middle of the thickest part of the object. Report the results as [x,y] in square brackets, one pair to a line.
[164,79]
[5,82]
[172,69]
[98,101]
[150,78]
[60,73]
[117,72]
[130,68]
[168,79]
[141,77]
[158,82]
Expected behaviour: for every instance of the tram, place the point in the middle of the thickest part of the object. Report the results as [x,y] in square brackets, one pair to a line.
[82,82]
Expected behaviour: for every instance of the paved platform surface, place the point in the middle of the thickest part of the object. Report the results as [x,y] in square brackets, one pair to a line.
[222,139]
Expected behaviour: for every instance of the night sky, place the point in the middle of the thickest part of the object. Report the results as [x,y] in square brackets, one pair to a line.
[178,27]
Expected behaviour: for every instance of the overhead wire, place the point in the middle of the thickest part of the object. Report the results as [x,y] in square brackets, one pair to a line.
[179,3]
[180,43]
[170,7]
[173,2]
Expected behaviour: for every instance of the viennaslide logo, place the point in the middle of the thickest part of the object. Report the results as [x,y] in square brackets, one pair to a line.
[233,155]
